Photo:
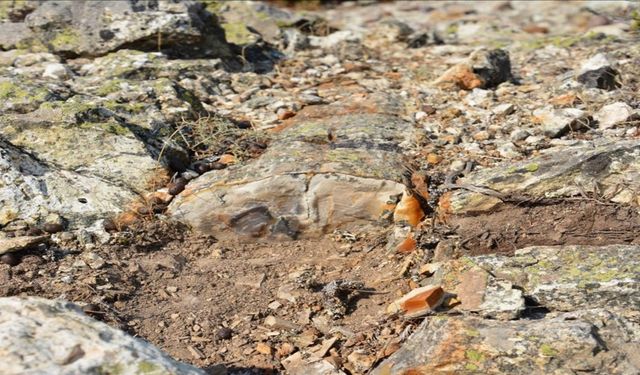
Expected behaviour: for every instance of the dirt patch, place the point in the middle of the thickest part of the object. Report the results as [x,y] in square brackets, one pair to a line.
[206,302]
[513,227]
[248,305]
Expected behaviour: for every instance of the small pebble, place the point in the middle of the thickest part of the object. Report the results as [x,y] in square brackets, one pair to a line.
[177,186]
[224,333]
[34,232]
[53,227]
[10,258]
[109,225]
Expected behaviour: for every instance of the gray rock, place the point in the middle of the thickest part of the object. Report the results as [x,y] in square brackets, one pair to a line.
[519,135]
[558,122]
[573,277]
[595,340]
[598,72]
[615,114]
[39,336]
[56,71]
[611,169]
[94,28]
[32,189]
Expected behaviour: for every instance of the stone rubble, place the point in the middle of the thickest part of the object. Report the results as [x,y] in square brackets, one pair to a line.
[372,124]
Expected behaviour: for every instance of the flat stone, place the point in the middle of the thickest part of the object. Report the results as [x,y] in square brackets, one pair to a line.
[559,172]
[558,122]
[40,336]
[12,244]
[614,114]
[595,340]
[478,291]
[334,166]
[573,277]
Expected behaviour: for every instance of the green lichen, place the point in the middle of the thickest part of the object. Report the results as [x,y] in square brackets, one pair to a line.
[547,350]
[343,156]
[108,127]
[64,39]
[213,6]
[129,107]
[12,91]
[7,6]
[452,29]
[109,87]
[110,369]
[635,21]
[147,368]
[531,167]
[474,355]
[471,367]
[237,33]
[472,332]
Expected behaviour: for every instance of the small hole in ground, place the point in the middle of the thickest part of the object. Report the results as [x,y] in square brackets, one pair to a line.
[82,200]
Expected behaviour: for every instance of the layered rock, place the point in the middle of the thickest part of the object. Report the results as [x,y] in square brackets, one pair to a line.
[57,338]
[333,166]
[610,169]
[594,340]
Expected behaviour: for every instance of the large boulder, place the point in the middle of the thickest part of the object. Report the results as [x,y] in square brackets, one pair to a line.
[334,166]
[572,277]
[87,147]
[94,28]
[39,336]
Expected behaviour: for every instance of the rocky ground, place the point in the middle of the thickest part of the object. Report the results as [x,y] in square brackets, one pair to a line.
[320,187]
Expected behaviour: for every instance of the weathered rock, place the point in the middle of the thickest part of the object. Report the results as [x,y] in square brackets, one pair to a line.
[297,364]
[598,72]
[330,168]
[558,122]
[594,340]
[42,336]
[483,69]
[614,114]
[573,277]
[478,291]
[31,189]
[612,169]
[92,28]
[8,245]
[237,17]
[19,96]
